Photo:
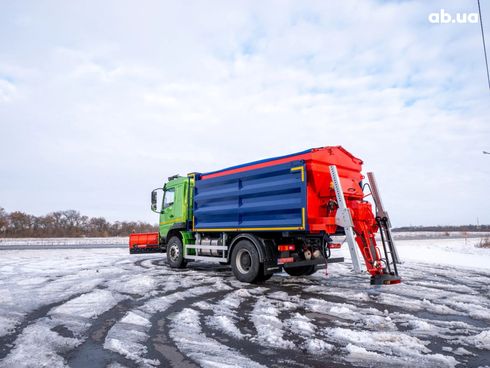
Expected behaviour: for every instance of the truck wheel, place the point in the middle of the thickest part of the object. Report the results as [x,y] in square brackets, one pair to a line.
[175,253]
[311,271]
[261,277]
[300,271]
[245,262]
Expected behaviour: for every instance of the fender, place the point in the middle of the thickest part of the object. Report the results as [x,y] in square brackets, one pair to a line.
[256,241]
[177,227]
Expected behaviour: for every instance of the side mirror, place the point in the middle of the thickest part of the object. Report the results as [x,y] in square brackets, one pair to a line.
[154,200]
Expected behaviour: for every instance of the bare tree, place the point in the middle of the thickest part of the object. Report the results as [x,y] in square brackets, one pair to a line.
[69,223]
[3,221]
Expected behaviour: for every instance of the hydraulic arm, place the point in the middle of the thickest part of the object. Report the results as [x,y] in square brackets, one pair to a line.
[360,225]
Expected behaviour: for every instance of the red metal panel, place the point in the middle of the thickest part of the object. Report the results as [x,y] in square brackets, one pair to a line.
[320,192]
[143,239]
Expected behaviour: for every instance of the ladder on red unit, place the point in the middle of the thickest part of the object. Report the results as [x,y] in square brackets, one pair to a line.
[343,218]
[383,220]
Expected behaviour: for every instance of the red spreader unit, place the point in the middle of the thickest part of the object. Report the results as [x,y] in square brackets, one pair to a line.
[323,210]
[144,243]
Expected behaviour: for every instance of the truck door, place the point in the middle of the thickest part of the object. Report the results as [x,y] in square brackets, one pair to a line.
[172,208]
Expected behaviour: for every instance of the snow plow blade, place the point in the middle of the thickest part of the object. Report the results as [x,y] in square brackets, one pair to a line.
[144,243]
[145,249]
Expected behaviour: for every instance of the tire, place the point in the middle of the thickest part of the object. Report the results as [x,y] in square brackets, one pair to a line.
[261,277]
[245,262]
[264,278]
[175,253]
[311,271]
[300,271]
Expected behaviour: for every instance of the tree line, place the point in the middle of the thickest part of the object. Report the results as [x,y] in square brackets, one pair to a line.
[461,228]
[69,223]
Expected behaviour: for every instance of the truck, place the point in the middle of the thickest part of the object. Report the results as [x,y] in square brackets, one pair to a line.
[273,215]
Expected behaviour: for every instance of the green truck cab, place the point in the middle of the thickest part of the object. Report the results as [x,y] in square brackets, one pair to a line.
[176,208]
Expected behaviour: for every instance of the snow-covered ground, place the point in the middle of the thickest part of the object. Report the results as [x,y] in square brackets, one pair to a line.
[104,307]
[404,235]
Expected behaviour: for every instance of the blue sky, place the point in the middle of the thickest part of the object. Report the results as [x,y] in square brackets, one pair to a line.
[101,101]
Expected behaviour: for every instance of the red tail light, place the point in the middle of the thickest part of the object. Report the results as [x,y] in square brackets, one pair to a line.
[286,247]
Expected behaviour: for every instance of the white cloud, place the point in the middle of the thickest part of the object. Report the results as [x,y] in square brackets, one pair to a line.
[8,91]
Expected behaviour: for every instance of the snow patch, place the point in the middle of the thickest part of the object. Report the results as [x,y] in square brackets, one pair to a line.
[316,346]
[88,305]
[389,348]
[481,341]
[187,334]
[269,327]
[225,324]
[38,346]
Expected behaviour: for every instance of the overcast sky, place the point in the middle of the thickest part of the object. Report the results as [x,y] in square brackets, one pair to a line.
[101,101]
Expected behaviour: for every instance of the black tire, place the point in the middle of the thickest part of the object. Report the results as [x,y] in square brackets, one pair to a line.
[311,271]
[300,271]
[175,253]
[261,277]
[245,262]
[264,278]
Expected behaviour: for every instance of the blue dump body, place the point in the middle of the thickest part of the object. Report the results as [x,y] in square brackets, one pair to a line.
[272,198]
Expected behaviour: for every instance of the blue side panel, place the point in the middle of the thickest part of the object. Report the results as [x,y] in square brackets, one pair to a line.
[269,199]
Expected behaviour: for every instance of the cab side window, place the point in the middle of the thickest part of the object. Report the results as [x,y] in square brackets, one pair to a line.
[169,198]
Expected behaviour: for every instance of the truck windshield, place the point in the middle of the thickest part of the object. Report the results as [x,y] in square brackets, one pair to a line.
[168,200]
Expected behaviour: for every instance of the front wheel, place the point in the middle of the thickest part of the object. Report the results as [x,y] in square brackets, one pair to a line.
[175,253]
[245,262]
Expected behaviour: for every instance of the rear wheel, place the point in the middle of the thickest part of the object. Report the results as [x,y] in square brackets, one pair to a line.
[261,277]
[300,271]
[311,271]
[245,262]
[175,253]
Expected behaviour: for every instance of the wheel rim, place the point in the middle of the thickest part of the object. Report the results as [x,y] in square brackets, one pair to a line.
[243,261]
[174,253]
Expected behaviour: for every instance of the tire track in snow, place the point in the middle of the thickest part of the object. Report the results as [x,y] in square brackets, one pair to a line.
[224,316]
[186,332]
[130,335]
[161,344]
[127,335]
[139,263]
[41,341]
[248,345]
[91,352]
[7,341]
